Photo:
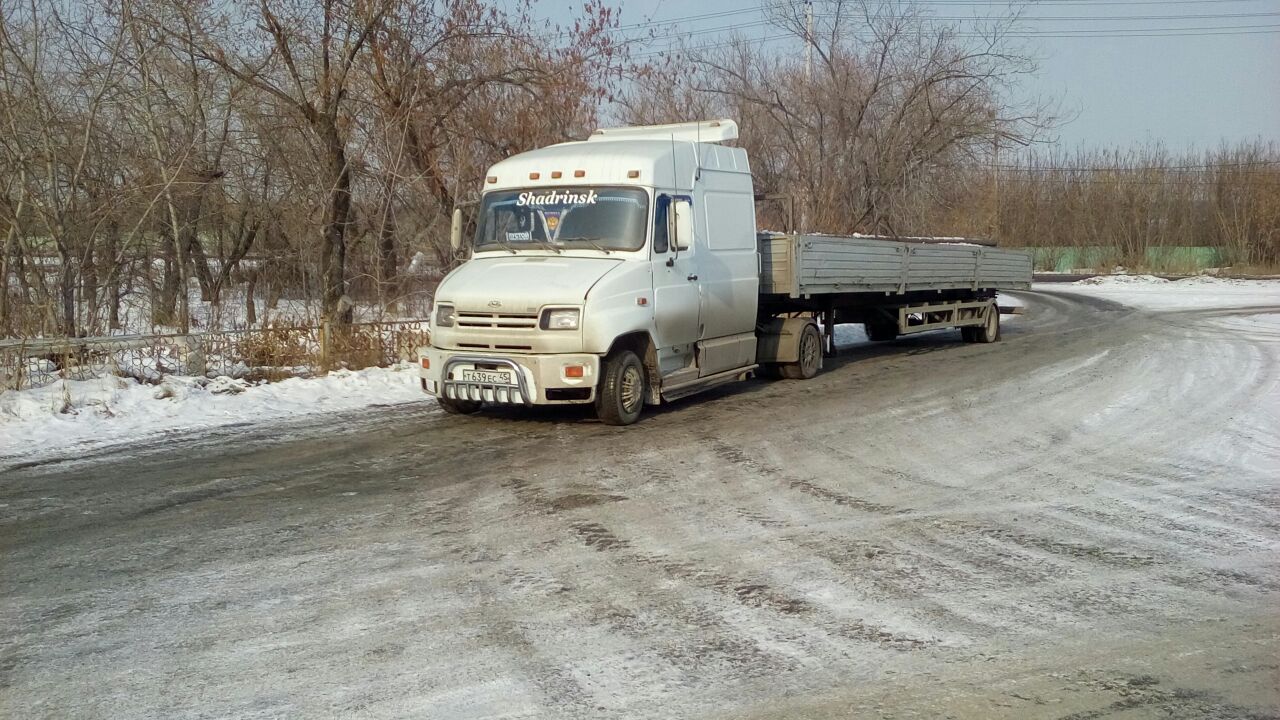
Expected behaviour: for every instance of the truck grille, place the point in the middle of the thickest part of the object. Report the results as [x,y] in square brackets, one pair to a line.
[488,346]
[505,321]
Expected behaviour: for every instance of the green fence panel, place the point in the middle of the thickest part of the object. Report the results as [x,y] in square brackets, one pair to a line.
[1161,258]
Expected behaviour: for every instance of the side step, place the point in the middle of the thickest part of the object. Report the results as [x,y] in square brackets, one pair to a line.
[686,389]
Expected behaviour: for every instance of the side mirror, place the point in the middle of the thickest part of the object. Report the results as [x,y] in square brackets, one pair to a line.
[455,231]
[682,224]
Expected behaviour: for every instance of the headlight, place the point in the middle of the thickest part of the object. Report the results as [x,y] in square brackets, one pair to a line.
[444,316]
[561,319]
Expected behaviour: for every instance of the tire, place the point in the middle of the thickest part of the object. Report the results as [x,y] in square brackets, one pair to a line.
[881,331]
[454,406]
[810,348]
[989,332]
[620,396]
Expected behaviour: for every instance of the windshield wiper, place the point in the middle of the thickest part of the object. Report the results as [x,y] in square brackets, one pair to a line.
[505,246]
[590,241]
[550,246]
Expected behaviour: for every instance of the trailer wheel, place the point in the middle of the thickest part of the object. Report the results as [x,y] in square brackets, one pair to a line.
[881,331]
[989,331]
[810,361]
[620,397]
[454,406]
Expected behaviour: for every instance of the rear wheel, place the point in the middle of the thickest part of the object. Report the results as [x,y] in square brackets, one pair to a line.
[620,397]
[989,331]
[882,330]
[458,407]
[810,361]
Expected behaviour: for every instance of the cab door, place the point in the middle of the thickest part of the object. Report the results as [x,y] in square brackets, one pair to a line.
[677,300]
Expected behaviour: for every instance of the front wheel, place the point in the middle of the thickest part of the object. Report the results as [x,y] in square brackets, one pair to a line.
[620,396]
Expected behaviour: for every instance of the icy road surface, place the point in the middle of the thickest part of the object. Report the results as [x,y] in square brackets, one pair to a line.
[1082,521]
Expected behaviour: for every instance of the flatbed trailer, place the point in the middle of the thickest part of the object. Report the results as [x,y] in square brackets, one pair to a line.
[892,287]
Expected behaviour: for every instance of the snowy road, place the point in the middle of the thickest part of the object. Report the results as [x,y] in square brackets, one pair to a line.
[1082,521]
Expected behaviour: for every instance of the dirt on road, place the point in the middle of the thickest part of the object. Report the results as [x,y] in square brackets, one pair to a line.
[1079,522]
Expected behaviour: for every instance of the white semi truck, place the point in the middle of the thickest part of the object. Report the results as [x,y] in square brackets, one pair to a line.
[626,270]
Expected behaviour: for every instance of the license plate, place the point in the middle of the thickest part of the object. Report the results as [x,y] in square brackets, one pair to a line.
[487,377]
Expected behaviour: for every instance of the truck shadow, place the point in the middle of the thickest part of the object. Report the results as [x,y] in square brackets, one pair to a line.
[847,355]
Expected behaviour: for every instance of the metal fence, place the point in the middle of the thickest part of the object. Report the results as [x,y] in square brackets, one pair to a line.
[271,353]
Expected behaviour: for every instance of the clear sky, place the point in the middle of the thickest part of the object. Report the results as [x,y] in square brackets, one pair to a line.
[1187,73]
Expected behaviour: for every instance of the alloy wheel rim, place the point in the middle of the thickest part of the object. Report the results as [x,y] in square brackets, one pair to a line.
[632,389]
[810,351]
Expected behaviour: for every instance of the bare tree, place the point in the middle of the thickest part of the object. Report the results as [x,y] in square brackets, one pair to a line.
[864,123]
[304,55]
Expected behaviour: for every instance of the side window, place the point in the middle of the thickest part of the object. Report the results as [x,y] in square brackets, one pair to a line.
[660,224]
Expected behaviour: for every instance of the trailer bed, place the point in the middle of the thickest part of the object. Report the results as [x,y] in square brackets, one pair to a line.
[799,266]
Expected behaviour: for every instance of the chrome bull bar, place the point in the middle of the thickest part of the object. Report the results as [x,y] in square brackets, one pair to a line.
[459,390]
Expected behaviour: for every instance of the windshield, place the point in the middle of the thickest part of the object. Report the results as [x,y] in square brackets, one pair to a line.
[597,218]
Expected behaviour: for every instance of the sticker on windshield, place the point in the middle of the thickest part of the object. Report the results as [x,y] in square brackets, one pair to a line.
[525,236]
[555,197]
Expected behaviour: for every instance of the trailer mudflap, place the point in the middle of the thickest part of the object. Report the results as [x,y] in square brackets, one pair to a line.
[779,340]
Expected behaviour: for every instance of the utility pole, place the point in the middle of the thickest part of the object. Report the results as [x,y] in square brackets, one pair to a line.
[808,40]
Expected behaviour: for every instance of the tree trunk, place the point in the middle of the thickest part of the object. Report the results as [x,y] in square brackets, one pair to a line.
[89,290]
[6,253]
[68,291]
[388,260]
[113,275]
[250,310]
[201,262]
[163,307]
[337,217]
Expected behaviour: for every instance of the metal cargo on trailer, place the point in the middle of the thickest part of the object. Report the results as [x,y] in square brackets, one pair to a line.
[799,266]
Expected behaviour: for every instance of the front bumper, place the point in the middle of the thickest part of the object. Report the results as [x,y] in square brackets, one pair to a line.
[536,379]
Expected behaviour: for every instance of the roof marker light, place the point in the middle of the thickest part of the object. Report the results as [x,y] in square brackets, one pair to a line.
[579,173]
[534,176]
[555,174]
[492,179]
[633,173]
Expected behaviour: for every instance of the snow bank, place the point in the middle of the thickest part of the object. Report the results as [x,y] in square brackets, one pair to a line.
[1123,280]
[112,410]
[1153,293]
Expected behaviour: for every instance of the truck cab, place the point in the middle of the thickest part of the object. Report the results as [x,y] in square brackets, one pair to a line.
[617,271]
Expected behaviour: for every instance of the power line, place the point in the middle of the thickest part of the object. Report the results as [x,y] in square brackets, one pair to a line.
[1230,166]
[1144,32]
[715,46]
[1203,31]
[1102,18]
[1058,32]
[1075,3]
[1068,32]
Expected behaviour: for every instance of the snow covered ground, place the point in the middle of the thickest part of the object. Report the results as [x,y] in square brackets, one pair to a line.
[87,414]
[1153,293]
